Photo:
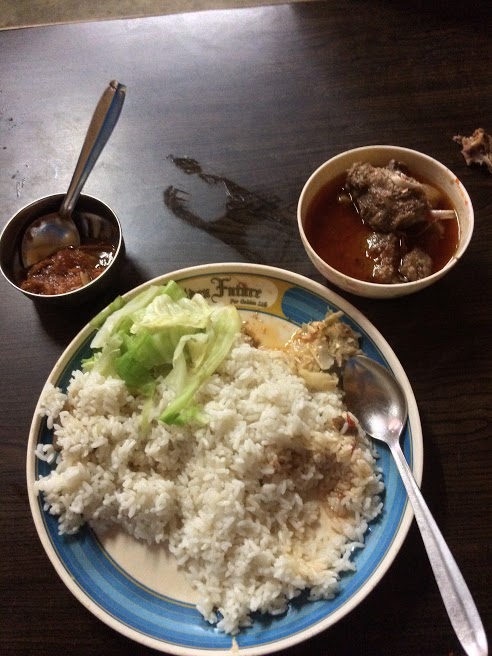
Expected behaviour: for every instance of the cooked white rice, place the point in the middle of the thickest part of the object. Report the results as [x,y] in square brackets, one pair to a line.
[240,500]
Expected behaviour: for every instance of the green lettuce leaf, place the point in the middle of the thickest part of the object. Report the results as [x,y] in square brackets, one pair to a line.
[119,311]
[206,355]
[162,332]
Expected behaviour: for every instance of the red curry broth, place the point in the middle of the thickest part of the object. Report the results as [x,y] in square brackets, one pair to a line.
[339,236]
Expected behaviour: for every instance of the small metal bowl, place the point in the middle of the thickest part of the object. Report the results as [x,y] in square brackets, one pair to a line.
[94,220]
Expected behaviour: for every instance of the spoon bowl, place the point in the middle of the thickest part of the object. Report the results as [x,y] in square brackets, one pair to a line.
[376,398]
[52,232]
[47,235]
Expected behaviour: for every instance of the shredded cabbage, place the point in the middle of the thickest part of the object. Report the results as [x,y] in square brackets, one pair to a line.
[162,332]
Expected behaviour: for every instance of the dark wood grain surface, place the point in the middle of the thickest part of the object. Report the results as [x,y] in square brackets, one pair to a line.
[259,98]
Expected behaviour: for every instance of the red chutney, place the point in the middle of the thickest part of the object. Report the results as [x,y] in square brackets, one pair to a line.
[339,236]
[68,269]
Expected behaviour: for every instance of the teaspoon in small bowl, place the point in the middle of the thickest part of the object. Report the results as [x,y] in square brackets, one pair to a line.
[57,230]
[376,398]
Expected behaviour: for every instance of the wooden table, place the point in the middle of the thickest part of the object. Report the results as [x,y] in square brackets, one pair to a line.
[259,98]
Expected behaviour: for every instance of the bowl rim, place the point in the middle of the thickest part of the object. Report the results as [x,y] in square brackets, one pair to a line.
[74,292]
[406,287]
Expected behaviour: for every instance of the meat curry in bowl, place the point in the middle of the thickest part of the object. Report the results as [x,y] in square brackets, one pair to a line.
[383,221]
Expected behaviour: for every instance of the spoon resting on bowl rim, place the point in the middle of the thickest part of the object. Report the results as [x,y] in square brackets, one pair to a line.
[52,232]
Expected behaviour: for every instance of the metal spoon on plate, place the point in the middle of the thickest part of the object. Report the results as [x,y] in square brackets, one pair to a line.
[376,398]
[57,230]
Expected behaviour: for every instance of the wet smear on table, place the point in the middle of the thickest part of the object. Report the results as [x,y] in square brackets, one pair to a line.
[260,229]
[19,181]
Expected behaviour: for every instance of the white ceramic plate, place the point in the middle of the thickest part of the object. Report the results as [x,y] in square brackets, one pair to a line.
[137,589]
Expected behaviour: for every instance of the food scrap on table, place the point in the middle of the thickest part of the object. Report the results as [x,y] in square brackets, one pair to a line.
[477,149]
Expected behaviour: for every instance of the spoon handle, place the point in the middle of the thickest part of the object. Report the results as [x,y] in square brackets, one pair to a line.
[454,591]
[101,126]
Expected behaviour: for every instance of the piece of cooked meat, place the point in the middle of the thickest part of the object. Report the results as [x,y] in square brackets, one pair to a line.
[385,197]
[476,149]
[416,265]
[384,250]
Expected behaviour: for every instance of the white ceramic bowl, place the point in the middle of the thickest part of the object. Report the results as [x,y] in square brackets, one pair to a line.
[421,165]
